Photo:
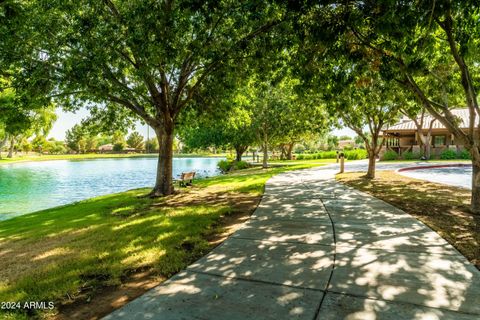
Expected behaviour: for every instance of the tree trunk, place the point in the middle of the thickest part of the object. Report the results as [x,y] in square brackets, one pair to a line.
[289,151]
[265,156]
[283,152]
[427,151]
[164,182]
[10,150]
[475,204]
[371,165]
[2,144]
[265,152]
[428,141]
[428,145]
[239,150]
[238,156]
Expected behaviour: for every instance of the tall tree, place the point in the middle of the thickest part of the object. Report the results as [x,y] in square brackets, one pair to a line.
[18,119]
[135,141]
[151,58]
[226,129]
[283,112]
[366,101]
[431,50]
[75,138]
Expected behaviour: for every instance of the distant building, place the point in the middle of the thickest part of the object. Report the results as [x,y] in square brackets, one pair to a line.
[345,143]
[129,150]
[403,136]
[106,148]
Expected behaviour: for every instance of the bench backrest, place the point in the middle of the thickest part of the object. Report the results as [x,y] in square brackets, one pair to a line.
[187,175]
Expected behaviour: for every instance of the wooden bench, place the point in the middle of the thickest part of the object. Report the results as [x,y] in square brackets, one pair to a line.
[186,178]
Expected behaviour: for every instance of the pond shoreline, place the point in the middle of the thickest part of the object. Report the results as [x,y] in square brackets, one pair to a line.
[36,185]
[94,156]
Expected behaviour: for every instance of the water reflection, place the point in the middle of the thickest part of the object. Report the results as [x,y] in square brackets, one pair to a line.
[32,186]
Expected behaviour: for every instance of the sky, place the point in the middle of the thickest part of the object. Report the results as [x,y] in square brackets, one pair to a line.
[67,120]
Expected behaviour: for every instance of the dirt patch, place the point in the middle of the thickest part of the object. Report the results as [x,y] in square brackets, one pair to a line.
[19,257]
[241,212]
[93,305]
[443,208]
[107,299]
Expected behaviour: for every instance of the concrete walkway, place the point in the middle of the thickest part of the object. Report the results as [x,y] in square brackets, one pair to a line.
[315,249]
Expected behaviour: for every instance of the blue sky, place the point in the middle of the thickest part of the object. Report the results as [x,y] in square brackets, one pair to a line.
[66,120]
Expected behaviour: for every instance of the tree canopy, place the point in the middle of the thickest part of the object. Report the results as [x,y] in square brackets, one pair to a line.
[145,59]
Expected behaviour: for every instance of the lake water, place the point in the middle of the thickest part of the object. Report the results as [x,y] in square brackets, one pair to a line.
[31,186]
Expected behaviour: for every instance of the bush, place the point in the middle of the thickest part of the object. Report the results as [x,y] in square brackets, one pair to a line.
[227,166]
[357,154]
[411,155]
[240,165]
[349,154]
[151,145]
[448,155]
[464,154]
[224,165]
[328,155]
[299,148]
[390,155]
[117,147]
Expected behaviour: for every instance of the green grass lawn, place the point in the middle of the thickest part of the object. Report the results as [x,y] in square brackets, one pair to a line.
[67,253]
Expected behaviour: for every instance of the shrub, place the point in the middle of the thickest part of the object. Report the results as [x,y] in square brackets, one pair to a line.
[349,154]
[408,155]
[299,148]
[226,165]
[448,155]
[239,165]
[411,155]
[357,154]
[117,147]
[390,155]
[464,154]
[328,155]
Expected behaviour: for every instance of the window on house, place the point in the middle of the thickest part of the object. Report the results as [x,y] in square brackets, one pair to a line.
[439,140]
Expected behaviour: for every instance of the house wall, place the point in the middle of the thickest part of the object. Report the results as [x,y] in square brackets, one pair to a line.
[407,141]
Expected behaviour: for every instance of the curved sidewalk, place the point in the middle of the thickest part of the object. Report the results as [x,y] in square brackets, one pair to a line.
[316,249]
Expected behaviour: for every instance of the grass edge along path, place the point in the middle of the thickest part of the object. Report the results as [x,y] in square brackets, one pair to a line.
[68,254]
[443,208]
